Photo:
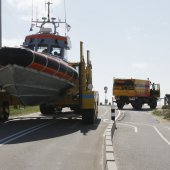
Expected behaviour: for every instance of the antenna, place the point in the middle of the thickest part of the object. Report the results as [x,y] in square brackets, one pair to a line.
[48,20]
[32,10]
[36,10]
[65,12]
[48,16]
[45,6]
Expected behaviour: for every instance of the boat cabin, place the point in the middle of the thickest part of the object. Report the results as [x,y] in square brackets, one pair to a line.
[46,42]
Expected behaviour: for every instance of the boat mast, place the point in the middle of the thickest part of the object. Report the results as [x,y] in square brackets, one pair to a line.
[48,19]
[48,3]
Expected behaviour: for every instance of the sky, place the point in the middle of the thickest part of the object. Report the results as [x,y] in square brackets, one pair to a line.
[126,38]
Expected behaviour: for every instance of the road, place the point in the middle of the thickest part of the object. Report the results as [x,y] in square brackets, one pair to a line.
[64,143]
[141,142]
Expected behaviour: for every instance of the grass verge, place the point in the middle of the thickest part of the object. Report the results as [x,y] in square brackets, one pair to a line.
[20,110]
[164,112]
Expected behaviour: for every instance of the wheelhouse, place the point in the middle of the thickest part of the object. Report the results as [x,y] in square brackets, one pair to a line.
[54,45]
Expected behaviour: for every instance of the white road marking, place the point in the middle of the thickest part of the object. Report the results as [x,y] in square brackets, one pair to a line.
[118,115]
[13,118]
[24,132]
[106,110]
[106,120]
[135,128]
[160,134]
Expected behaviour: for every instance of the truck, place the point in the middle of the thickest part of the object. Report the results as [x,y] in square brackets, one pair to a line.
[135,92]
[81,99]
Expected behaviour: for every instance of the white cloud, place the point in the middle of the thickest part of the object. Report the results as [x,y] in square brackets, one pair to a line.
[27,4]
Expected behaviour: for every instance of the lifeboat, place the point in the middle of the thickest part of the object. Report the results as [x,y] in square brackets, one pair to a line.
[38,72]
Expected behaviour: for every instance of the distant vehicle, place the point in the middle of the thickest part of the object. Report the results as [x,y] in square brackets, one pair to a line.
[135,92]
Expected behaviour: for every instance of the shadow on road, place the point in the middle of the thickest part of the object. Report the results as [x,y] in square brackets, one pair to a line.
[16,129]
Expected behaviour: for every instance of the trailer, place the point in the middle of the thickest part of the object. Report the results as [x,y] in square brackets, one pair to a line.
[81,99]
[135,92]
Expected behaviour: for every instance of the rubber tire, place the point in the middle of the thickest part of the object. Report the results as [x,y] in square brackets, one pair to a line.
[137,105]
[120,105]
[88,116]
[153,104]
[5,112]
[46,110]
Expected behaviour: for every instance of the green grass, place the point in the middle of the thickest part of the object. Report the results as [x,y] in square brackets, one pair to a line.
[164,112]
[20,110]
[157,112]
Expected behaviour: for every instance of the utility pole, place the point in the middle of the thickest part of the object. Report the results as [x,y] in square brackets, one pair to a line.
[0,25]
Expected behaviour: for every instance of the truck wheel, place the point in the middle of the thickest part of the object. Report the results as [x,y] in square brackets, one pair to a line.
[120,105]
[153,104]
[137,105]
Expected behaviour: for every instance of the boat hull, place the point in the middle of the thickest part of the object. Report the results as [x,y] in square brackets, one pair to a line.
[32,87]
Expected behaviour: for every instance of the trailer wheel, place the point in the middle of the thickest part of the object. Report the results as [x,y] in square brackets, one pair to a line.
[4,115]
[46,109]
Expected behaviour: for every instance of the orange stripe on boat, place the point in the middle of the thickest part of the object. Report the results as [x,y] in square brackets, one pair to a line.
[36,66]
[47,36]
[49,70]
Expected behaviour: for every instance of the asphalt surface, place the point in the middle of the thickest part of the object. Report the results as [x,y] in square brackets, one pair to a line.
[61,143]
[141,141]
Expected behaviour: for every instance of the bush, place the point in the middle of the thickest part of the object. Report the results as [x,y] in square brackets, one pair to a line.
[166,107]
[158,112]
[165,112]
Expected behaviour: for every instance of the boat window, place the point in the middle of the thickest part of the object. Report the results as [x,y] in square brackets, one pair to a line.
[32,47]
[42,49]
[56,51]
